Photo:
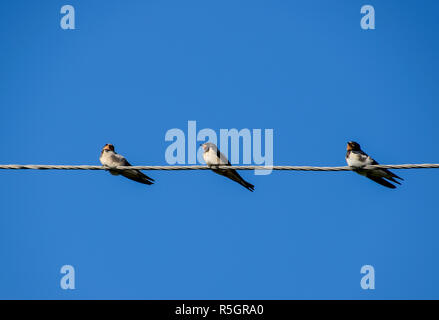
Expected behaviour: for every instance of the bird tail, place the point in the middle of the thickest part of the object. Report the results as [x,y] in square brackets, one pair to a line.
[146,180]
[381,181]
[137,176]
[248,185]
[391,174]
[394,180]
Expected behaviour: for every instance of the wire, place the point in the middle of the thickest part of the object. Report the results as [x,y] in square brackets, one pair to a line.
[198,167]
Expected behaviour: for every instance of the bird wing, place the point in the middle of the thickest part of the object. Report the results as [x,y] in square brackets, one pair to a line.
[222,158]
[381,181]
[231,173]
[389,174]
[135,175]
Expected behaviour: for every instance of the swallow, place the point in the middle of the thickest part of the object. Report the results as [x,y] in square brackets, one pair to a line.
[356,158]
[111,159]
[214,157]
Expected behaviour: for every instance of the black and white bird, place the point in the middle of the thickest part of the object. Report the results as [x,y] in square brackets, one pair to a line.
[357,159]
[214,157]
[111,159]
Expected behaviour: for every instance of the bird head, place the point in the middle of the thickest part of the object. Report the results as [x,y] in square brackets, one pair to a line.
[207,146]
[352,145]
[108,147]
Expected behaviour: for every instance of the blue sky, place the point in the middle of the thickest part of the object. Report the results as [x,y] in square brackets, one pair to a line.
[130,71]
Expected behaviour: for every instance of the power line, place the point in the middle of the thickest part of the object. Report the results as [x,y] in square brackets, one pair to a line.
[201,167]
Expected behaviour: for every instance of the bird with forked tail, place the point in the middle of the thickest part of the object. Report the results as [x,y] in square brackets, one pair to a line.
[214,157]
[357,159]
[111,159]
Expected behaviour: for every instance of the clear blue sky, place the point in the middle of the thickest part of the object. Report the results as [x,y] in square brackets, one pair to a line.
[134,69]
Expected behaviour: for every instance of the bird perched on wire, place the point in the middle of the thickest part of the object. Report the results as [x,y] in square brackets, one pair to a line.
[356,158]
[111,159]
[214,157]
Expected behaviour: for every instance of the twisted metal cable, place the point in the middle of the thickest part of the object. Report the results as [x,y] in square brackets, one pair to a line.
[201,167]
